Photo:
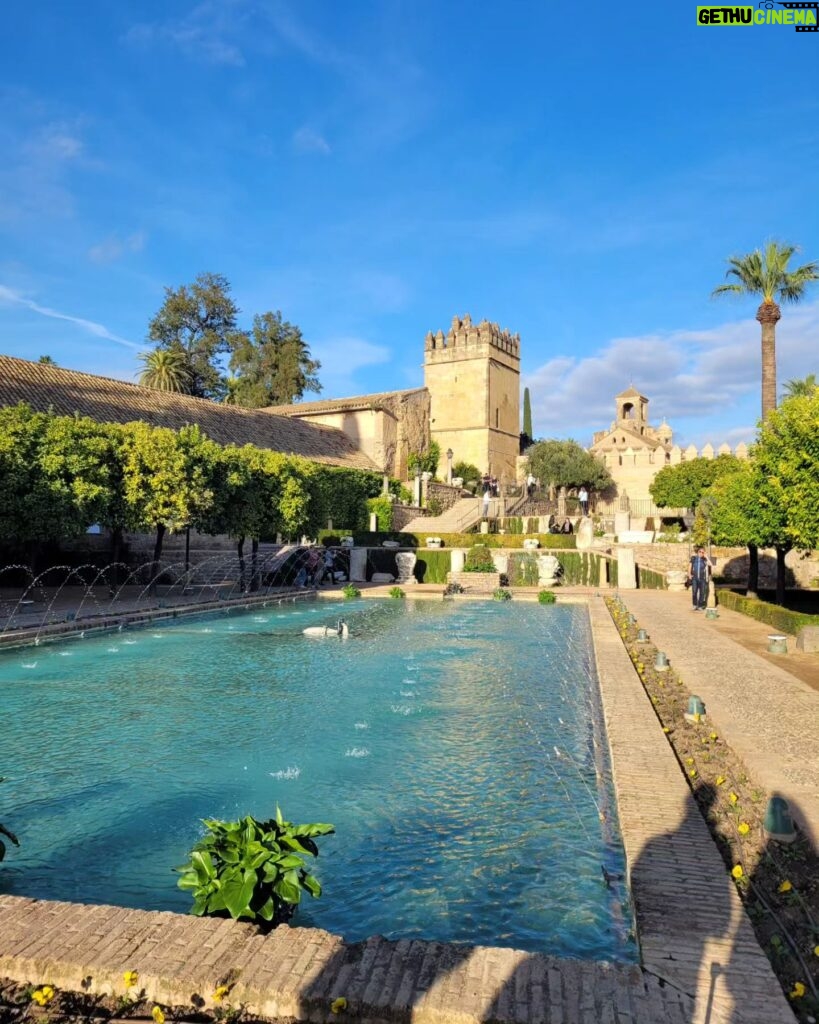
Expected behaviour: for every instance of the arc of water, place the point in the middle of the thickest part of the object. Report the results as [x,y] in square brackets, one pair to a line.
[24,595]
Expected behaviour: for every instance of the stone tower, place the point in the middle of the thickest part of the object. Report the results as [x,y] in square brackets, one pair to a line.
[472,375]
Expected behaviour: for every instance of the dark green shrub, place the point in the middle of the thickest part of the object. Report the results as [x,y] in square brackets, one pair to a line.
[432,566]
[478,559]
[546,597]
[648,579]
[383,507]
[252,869]
[350,591]
[466,471]
[397,593]
[435,506]
[771,614]
[501,595]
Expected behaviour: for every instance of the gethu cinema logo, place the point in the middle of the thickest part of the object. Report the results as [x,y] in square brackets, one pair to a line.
[803,16]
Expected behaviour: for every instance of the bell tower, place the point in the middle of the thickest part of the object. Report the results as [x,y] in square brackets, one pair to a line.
[632,410]
[472,374]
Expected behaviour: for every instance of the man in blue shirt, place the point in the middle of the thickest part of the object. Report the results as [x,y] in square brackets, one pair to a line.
[699,572]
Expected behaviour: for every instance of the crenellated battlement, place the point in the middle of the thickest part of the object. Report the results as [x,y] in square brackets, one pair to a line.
[467,339]
[660,456]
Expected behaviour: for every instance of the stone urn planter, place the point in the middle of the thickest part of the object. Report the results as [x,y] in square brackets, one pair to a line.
[531,544]
[434,542]
[675,579]
[405,561]
[548,570]
[347,542]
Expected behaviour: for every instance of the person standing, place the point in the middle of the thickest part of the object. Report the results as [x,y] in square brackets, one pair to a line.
[583,498]
[530,485]
[699,573]
[487,495]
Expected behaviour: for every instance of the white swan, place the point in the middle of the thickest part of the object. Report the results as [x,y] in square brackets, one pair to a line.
[339,630]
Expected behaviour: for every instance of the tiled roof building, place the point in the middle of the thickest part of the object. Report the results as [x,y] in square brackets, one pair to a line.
[106,400]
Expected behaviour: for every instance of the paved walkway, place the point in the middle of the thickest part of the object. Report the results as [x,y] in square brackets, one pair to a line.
[766,715]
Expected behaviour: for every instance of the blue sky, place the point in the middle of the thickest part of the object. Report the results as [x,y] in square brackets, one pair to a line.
[371,168]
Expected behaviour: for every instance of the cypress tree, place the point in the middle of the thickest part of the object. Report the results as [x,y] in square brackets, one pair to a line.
[527,414]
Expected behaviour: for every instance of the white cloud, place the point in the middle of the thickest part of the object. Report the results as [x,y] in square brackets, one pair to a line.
[113,248]
[306,140]
[341,358]
[207,32]
[11,297]
[686,374]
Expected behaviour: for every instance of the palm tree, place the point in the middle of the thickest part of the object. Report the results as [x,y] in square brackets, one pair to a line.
[766,273]
[232,388]
[801,388]
[165,370]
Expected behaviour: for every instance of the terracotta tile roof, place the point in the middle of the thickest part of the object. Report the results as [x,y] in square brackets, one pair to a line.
[340,404]
[45,387]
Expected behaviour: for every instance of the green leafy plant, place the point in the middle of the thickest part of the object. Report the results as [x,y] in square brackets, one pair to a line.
[466,471]
[435,506]
[350,591]
[427,460]
[383,508]
[501,594]
[478,559]
[9,835]
[546,597]
[397,592]
[454,588]
[252,869]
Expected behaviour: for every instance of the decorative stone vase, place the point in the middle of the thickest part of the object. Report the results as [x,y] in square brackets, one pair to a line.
[548,569]
[675,579]
[531,544]
[434,542]
[405,561]
[347,542]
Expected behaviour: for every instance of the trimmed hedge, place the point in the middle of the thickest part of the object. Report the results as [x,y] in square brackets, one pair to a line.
[648,579]
[555,541]
[581,568]
[431,566]
[771,614]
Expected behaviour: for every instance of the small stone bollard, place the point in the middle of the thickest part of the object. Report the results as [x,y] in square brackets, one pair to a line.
[660,662]
[642,636]
[777,644]
[695,711]
[778,823]
[711,613]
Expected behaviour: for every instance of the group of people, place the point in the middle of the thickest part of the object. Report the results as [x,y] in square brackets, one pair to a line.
[317,567]
[556,527]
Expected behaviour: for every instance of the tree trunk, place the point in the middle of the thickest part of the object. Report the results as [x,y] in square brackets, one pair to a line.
[781,551]
[768,315]
[160,536]
[753,571]
[254,561]
[240,547]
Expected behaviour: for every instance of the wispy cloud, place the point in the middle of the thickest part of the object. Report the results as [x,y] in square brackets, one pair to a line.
[307,140]
[687,374]
[11,297]
[341,358]
[110,249]
[210,32]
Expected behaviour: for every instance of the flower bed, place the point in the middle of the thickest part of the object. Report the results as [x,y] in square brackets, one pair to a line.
[778,883]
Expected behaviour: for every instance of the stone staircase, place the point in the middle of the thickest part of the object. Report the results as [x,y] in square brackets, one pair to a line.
[462,516]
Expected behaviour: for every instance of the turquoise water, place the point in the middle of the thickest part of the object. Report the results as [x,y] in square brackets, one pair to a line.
[454,746]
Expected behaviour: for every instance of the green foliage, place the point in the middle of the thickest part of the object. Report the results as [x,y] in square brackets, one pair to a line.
[450,540]
[435,506]
[581,568]
[341,494]
[478,559]
[426,460]
[771,614]
[513,525]
[397,593]
[350,591]
[165,370]
[765,274]
[683,485]
[198,322]
[546,597]
[648,579]
[500,594]
[745,508]
[566,464]
[466,471]
[522,569]
[670,534]
[787,455]
[272,364]
[800,388]
[432,566]
[527,414]
[252,869]
[383,508]
[701,528]
[9,835]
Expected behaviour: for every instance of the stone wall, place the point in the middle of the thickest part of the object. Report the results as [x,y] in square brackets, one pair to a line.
[732,563]
[446,494]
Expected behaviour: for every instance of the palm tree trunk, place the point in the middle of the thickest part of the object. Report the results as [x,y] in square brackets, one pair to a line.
[768,316]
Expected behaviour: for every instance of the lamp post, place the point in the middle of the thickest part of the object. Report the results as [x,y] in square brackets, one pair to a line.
[449,454]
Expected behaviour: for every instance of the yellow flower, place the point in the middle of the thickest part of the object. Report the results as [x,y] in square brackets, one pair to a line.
[721,780]
[743,828]
[714,736]
[816,950]
[797,991]
[338,1005]
[736,871]
[689,760]
[158,1015]
[220,993]
[43,996]
[48,992]
[666,729]
[693,773]
[785,886]
[697,716]
[733,798]
[130,978]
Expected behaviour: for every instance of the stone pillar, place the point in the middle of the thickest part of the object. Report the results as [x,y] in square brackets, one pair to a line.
[425,479]
[626,569]
[385,485]
[585,534]
[457,559]
[358,565]
[416,492]
[561,502]
[373,523]
[622,522]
